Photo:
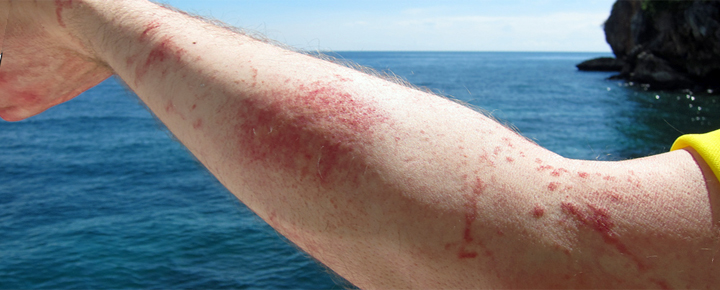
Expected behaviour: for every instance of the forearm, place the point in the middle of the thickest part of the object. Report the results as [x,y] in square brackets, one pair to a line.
[332,158]
[387,185]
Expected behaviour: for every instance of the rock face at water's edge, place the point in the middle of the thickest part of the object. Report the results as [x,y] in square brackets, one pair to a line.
[667,44]
[601,64]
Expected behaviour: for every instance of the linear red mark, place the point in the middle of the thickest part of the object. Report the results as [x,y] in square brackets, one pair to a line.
[166,49]
[544,167]
[59,6]
[254,77]
[583,174]
[471,212]
[599,220]
[148,28]
[467,255]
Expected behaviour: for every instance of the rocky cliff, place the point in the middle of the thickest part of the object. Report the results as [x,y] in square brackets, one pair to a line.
[667,44]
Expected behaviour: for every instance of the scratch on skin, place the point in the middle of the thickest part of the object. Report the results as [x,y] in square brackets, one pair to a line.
[599,220]
[59,6]
[471,212]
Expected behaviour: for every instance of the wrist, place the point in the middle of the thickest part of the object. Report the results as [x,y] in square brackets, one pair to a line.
[105,30]
[46,60]
[89,26]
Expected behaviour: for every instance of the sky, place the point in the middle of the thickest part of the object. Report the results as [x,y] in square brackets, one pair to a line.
[417,25]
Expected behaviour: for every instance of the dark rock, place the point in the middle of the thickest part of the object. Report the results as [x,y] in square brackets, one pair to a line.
[657,72]
[667,44]
[601,64]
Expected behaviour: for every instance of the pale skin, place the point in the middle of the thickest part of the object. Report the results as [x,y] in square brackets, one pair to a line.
[388,186]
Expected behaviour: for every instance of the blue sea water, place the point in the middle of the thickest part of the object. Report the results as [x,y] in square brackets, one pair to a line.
[95,193]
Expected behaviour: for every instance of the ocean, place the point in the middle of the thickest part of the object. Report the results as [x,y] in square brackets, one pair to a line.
[95,193]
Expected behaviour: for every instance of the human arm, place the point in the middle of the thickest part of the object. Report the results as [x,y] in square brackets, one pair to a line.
[455,194]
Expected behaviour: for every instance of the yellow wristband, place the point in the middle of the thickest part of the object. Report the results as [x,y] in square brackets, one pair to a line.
[707,145]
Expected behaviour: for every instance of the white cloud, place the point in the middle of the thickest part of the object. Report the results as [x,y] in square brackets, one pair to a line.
[499,25]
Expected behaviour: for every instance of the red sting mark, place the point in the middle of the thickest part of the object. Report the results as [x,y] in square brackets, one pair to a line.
[254,77]
[197,124]
[318,132]
[470,216]
[59,6]
[633,180]
[538,211]
[148,28]
[598,219]
[509,159]
[486,159]
[583,174]
[342,79]
[466,255]
[558,172]
[553,186]
[165,50]
[28,98]
[169,107]
[508,142]
[544,167]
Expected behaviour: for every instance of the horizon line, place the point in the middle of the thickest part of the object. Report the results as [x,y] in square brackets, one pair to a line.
[503,51]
